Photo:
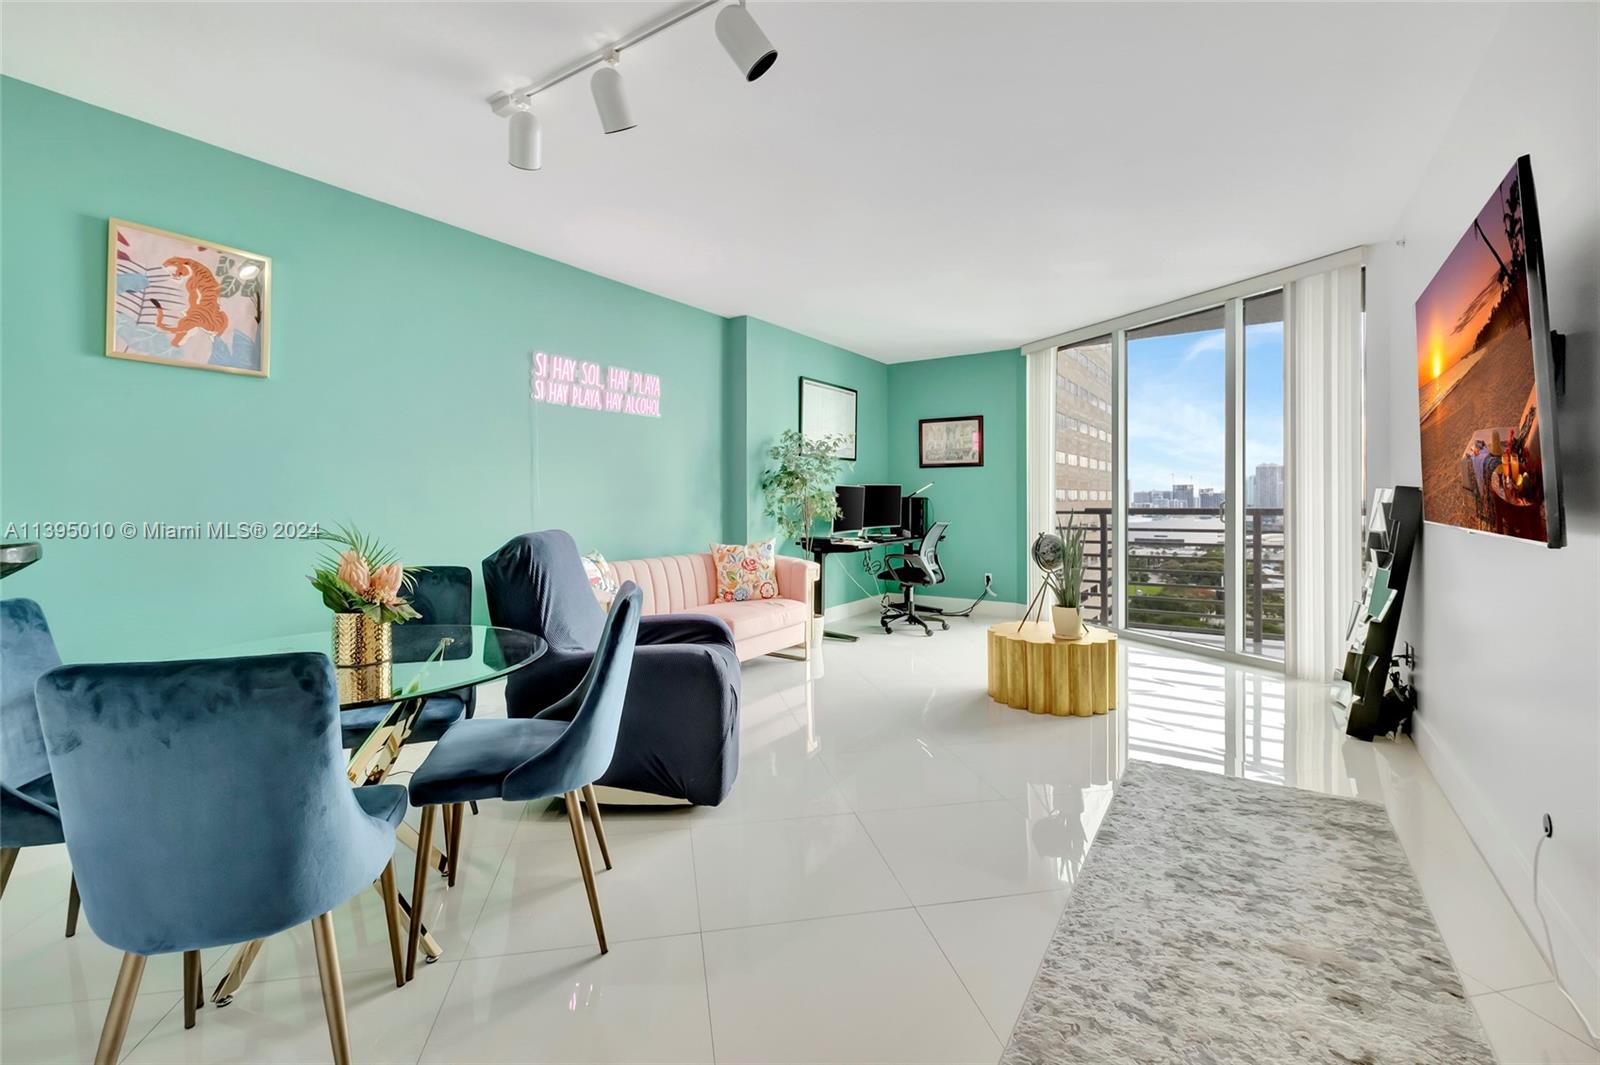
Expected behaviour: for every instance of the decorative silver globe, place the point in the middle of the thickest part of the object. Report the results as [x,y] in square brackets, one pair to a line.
[1047,552]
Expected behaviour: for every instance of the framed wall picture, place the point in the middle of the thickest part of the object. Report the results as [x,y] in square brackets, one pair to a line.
[186,302]
[943,442]
[829,409]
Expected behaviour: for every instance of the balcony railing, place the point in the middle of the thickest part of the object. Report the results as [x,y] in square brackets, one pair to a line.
[1176,579]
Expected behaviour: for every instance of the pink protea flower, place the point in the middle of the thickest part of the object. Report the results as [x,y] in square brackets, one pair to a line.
[385,587]
[353,572]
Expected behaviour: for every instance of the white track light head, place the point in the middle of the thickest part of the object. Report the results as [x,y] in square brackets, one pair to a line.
[611,100]
[744,42]
[526,149]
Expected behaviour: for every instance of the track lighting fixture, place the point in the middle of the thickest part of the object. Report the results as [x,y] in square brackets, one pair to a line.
[527,147]
[741,38]
[744,42]
[609,97]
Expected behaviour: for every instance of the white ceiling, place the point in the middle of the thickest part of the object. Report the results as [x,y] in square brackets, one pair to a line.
[910,179]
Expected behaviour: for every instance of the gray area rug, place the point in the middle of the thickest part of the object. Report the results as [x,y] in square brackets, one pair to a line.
[1221,920]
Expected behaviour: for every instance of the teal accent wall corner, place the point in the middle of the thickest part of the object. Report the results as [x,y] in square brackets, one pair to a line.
[985,505]
[772,360]
[736,473]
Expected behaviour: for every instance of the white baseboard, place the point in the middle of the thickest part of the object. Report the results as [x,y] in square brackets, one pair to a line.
[1512,869]
[851,609]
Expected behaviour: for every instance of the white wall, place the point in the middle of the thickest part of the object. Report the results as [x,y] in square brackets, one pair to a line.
[1508,633]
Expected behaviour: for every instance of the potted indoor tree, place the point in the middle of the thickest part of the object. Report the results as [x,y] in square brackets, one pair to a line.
[799,491]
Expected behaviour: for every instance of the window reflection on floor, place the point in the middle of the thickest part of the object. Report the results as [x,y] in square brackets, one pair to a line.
[1231,720]
[1222,718]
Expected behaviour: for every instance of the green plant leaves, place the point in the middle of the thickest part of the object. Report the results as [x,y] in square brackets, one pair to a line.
[343,599]
[799,491]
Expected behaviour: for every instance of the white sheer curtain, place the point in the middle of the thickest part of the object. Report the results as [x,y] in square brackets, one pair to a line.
[1323,459]
[1041,453]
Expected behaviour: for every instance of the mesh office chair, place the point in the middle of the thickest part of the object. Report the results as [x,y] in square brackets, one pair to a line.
[911,572]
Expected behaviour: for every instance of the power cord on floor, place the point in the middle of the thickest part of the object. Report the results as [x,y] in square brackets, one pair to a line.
[1549,949]
[988,590]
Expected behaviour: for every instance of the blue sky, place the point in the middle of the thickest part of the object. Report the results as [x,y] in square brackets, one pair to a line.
[1175,406]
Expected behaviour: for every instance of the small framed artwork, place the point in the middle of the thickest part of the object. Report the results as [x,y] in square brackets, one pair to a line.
[946,442]
[186,302]
[829,410]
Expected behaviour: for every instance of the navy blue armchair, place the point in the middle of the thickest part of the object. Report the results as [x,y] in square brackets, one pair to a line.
[679,735]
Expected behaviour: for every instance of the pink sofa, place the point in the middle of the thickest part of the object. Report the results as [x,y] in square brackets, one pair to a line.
[686,584]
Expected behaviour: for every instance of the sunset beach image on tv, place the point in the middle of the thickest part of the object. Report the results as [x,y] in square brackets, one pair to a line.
[1482,465]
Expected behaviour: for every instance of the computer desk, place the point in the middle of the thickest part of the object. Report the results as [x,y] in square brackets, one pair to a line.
[821,547]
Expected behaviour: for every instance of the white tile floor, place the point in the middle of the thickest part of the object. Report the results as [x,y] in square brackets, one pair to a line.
[879,887]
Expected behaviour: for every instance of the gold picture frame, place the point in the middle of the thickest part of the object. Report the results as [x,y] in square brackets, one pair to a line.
[214,310]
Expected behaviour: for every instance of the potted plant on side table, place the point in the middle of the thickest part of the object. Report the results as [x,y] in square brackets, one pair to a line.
[1065,581]
[362,585]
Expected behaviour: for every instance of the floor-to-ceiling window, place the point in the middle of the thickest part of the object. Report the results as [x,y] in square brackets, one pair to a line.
[1176,475]
[1166,445]
[1082,482]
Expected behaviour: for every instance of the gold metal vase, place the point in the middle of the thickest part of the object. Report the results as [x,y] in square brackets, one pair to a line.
[360,641]
[371,683]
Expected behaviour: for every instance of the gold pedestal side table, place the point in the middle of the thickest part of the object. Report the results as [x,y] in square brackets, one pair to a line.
[1031,669]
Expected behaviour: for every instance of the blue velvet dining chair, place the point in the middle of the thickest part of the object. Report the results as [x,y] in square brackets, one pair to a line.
[522,759]
[205,803]
[28,816]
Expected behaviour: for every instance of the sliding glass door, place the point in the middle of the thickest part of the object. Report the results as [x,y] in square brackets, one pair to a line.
[1176,476]
[1167,443]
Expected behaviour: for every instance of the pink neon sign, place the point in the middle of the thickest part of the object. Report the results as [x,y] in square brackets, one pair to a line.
[568,382]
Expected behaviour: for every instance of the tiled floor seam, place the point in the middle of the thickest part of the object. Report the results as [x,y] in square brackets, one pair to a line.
[924,922]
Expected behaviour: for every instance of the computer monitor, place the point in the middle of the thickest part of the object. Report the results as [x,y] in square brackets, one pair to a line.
[851,500]
[882,510]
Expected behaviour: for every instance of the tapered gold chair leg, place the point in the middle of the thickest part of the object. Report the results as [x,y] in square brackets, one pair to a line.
[457,812]
[332,987]
[8,858]
[419,887]
[73,903]
[391,912]
[120,1010]
[599,829]
[580,841]
[191,981]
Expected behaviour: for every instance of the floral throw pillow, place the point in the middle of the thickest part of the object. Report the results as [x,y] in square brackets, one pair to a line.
[602,578]
[745,571]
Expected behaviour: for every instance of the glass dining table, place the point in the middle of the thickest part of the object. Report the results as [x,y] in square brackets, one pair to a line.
[427,660]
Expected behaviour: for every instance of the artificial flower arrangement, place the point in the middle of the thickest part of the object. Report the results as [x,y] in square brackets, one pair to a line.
[364,578]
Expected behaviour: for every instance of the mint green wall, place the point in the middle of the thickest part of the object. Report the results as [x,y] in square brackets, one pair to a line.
[985,505]
[398,397]
[769,363]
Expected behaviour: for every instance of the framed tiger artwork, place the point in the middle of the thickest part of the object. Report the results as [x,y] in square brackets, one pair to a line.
[186,302]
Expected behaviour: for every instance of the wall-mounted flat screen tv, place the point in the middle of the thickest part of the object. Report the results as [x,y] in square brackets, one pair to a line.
[1486,377]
